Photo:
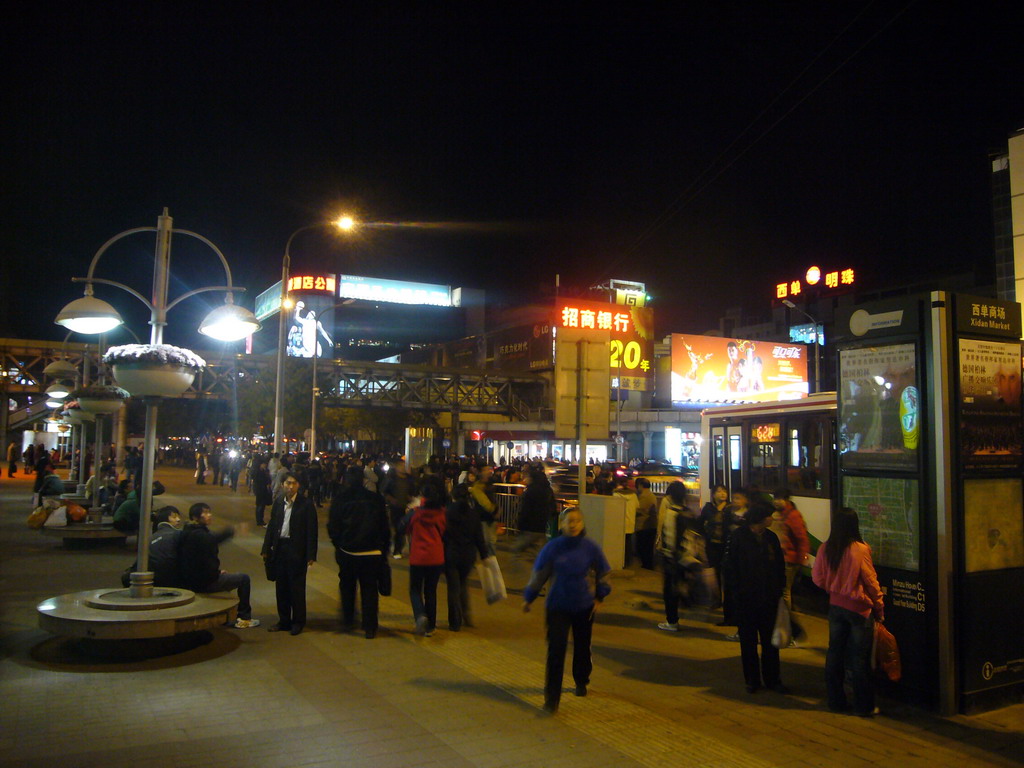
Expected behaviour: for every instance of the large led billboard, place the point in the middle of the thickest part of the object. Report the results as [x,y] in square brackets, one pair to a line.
[393,291]
[631,348]
[715,369]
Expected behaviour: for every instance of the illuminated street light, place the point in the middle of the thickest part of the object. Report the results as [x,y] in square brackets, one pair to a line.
[59,390]
[91,315]
[817,343]
[342,224]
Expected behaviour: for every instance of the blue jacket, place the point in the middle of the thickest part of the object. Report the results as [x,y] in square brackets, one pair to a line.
[569,559]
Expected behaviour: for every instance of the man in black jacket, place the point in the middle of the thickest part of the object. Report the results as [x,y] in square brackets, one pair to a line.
[755,573]
[289,548]
[358,527]
[199,563]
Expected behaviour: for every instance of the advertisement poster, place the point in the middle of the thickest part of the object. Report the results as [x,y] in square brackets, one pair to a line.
[879,408]
[715,369]
[631,349]
[520,349]
[993,524]
[888,509]
[309,327]
[990,405]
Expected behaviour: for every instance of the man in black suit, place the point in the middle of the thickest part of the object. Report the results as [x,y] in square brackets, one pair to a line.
[289,548]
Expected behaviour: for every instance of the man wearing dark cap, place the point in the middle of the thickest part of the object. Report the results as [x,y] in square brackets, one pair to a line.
[755,573]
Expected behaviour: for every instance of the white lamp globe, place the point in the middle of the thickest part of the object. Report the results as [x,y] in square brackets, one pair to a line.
[89,315]
[229,322]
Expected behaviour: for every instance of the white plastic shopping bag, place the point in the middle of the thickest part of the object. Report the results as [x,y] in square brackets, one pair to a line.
[491,580]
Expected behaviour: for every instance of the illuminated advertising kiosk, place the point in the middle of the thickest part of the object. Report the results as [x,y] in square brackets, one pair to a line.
[929,450]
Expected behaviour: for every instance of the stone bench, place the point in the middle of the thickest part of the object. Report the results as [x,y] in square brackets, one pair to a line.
[85,535]
[111,614]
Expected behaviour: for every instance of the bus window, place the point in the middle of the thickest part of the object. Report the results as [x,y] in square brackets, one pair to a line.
[735,456]
[718,459]
[767,458]
[804,471]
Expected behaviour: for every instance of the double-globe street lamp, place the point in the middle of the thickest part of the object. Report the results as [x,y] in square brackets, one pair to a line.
[90,315]
[343,224]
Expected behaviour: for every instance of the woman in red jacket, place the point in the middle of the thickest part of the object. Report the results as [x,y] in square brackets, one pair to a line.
[425,528]
[844,569]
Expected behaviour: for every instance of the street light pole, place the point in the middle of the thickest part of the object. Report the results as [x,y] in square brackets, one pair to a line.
[345,223]
[312,418]
[817,343]
[90,315]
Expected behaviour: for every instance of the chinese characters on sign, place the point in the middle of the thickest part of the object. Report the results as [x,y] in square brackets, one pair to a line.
[835,279]
[601,320]
[631,345]
[312,283]
[990,404]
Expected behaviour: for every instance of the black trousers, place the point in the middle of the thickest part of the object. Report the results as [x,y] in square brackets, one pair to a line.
[397,513]
[457,567]
[423,591]
[645,547]
[559,623]
[671,576]
[361,570]
[757,625]
[290,583]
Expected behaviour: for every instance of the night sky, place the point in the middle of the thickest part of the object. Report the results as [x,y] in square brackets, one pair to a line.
[708,149]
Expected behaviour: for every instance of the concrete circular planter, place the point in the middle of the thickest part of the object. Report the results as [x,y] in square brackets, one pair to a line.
[145,379]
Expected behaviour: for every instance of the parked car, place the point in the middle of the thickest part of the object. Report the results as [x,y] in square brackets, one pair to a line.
[661,475]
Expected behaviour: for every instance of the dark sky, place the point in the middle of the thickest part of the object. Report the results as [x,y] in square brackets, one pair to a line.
[709,149]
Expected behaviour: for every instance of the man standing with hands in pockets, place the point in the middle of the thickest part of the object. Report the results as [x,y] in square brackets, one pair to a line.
[289,547]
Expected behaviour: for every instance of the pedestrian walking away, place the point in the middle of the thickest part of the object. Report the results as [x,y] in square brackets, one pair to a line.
[425,527]
[463,542]
[570,604]
[755,571]
[358,527]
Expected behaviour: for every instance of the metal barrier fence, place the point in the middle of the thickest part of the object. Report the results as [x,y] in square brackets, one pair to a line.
[510,498]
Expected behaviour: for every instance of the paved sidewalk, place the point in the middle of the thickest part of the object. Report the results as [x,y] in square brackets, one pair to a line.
[251,698]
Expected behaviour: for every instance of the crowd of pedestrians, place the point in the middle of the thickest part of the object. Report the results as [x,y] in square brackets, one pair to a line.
[741,553]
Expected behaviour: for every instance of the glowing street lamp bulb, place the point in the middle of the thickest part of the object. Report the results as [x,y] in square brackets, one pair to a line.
[345,223]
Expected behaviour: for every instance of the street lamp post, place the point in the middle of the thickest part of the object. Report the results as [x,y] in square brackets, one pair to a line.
[817,343]
[91,315]
[345,224]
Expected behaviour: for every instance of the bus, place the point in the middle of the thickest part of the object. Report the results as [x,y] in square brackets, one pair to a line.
[789,444]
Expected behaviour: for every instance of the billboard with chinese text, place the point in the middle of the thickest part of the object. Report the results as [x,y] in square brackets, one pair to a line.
[716,369]
[631,348]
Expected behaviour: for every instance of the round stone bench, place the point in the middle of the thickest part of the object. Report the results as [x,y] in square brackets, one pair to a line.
[82,535]
[112,614]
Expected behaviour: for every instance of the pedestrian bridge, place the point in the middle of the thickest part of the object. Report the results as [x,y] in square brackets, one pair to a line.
[345,384]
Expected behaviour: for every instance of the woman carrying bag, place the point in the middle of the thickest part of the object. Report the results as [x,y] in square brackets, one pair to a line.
[844,569]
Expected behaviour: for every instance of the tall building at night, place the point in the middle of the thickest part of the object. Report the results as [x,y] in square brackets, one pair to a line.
[1008,218]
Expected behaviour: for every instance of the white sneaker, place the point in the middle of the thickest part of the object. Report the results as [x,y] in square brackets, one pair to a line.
[246,623]
[735,637]
[792,644]
[397,557]
[669,627]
